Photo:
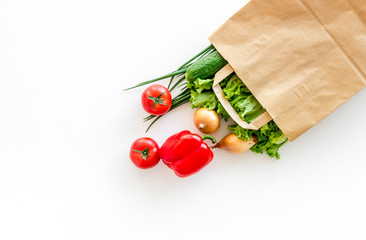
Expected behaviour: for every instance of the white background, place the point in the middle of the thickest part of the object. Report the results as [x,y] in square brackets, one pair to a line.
[66,127]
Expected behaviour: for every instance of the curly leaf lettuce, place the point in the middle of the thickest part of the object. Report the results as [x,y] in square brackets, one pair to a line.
[205,99]
[202,95]
[222,112]
[270,138]
[203,84]
[242,100]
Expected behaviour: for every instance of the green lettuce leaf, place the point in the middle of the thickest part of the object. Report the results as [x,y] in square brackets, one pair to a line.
[270,138]
[235,87]
[242,100]
[249,109]
[191,85]
[242,133]
[232,88]
[222,112]
[203,84]
[205,99]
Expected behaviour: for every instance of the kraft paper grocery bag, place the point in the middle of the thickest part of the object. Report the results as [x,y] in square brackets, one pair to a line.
[301,59]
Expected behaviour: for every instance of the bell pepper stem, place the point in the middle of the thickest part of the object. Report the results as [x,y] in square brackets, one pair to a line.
[204,137]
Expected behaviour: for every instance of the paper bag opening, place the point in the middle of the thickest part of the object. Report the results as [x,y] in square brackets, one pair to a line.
[254,125]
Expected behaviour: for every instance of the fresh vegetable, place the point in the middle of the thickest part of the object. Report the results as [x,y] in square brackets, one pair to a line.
[186,153]
[144,153]
[222,112]
[205,67]
[182,97]
[199,85]
[247,107]
[233,144]
[202,95]
[207,121]
[205,99]
[181,70]
[156,99]
[199,72]
[242,100]
[208,100]
[177,101]
[269,138]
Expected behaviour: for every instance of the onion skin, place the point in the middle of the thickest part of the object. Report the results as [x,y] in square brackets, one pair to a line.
[207,121]
[233,144]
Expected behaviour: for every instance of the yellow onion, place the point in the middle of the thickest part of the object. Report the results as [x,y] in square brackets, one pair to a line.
[233,144]
[207,121]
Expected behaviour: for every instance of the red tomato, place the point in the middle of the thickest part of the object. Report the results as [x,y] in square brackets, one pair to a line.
[156,99]
[144,153]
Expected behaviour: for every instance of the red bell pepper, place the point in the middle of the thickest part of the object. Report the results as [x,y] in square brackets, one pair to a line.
[186,153]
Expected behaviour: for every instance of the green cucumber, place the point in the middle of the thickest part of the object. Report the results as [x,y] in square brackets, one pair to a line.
[205,67]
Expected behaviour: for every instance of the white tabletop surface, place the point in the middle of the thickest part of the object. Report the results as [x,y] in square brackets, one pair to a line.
[66,128]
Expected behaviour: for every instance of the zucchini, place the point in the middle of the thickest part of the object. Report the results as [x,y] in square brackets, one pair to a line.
[206,66]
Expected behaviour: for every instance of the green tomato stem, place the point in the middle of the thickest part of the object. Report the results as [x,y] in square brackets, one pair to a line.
[145,153]
[157,100]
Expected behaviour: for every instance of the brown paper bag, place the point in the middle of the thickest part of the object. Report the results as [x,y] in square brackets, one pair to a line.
[301,59]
